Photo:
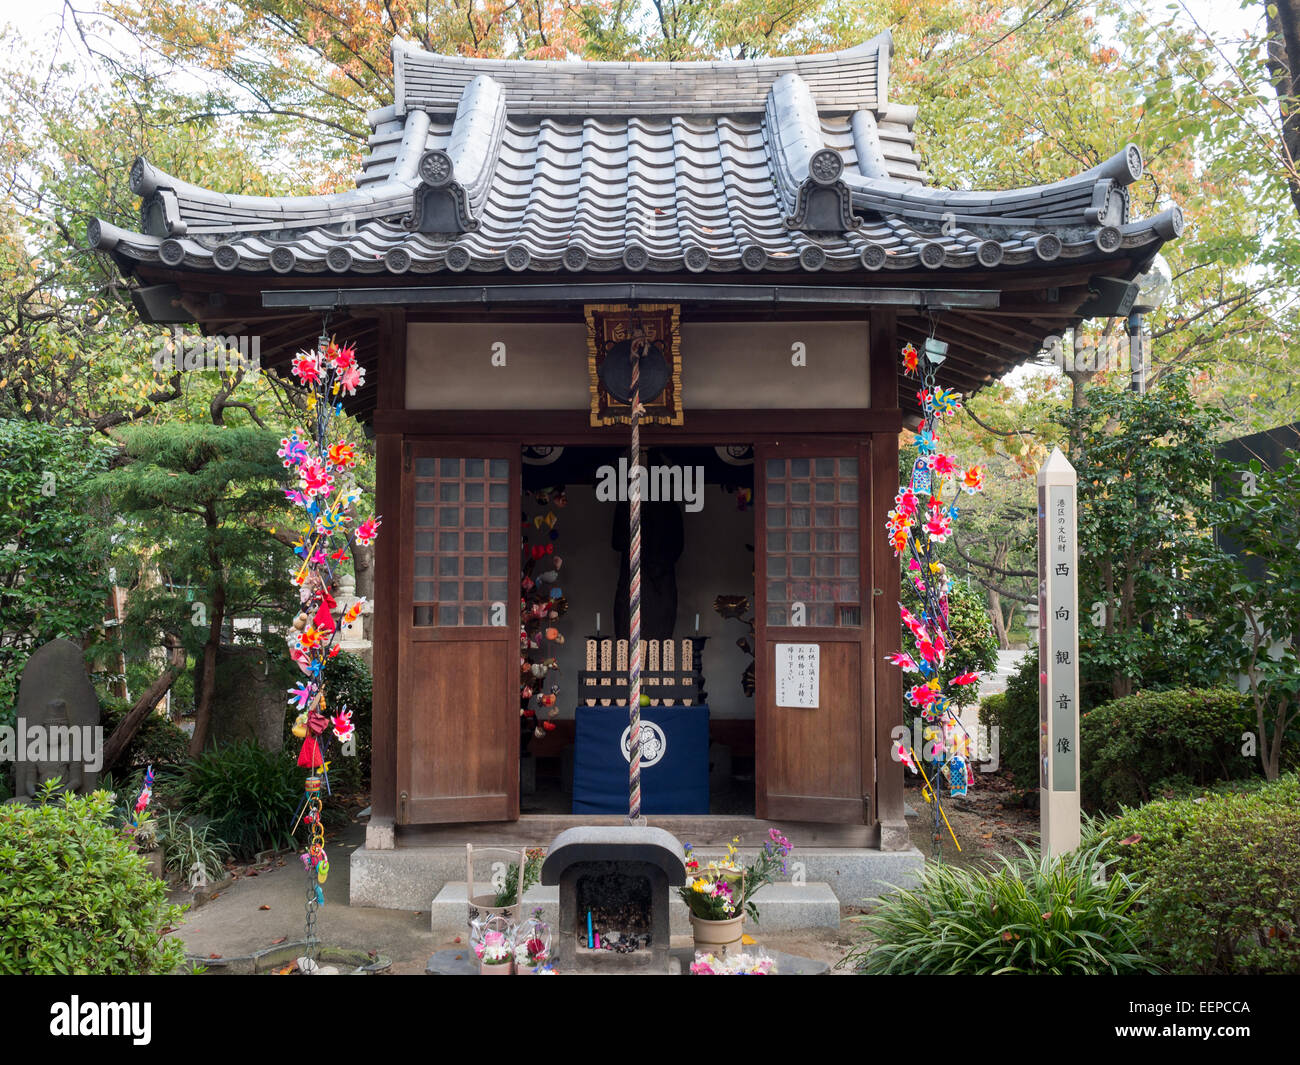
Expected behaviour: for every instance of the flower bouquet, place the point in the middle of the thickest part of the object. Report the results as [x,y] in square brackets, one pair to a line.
[760,964]
[532,945]
[491,940]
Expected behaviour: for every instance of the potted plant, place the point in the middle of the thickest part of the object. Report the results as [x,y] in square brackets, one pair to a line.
[721,894]
[505,897]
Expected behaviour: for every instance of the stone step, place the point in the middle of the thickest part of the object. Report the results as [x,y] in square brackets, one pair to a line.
[781,907]
[406,878]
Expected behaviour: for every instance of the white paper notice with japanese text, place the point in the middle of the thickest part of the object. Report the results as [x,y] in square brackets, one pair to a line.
[797,668]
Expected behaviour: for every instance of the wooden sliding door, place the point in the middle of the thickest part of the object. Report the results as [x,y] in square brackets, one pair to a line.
[458,668]
[814,727]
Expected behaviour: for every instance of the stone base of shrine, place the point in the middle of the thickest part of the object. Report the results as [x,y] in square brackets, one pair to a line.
[821,880]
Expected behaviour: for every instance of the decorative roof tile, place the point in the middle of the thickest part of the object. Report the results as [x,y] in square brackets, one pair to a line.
[798,163]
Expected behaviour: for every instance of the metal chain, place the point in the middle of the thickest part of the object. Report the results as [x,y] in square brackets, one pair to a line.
[936,846]
[312,948]
[315,850]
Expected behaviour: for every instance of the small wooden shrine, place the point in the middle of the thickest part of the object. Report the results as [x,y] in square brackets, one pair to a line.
[767,229]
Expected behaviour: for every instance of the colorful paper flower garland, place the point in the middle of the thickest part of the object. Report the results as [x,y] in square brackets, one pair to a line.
[327,491]
[923,518]
[541,605]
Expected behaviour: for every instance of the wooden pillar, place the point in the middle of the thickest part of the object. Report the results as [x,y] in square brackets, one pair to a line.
[388,493]
[885,585]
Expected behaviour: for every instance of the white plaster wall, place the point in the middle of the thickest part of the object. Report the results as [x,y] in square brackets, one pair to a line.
[725,366]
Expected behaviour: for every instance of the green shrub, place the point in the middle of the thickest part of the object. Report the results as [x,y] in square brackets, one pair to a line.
[1015,715]
[1132,747]
[1208,881]
[187,842]
[249,794]
[993,705]
[74,896]
[1028,916]
[970,635]
[1226,897]
[1134,840]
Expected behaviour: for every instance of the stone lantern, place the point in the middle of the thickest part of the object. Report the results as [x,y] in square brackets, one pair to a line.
[352,638]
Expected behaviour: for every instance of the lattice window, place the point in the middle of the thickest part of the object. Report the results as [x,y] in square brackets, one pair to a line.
[813,540]
[462,540]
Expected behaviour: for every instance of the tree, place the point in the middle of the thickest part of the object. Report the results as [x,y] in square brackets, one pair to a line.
[1283,21]
[1148,614]
[53,571]
[996,543]
[72,350]
[974,647]
[1258,517]
[201,495]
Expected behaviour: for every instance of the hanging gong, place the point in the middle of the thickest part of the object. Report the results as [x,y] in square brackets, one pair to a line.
[616,370]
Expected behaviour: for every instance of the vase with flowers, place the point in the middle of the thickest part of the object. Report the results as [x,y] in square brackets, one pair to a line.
[493,941]
[720,894]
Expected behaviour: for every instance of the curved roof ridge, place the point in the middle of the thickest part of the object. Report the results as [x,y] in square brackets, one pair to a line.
[841,81]
[1097,196]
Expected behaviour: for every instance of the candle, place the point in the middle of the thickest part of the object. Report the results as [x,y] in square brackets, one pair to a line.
[697,622]
[598,941]
[590,940]
[597,624]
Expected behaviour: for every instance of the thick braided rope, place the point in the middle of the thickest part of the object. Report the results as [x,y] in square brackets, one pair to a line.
[634,592]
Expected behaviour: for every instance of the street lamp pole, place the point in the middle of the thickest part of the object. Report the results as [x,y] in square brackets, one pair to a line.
[1154,288]
[1136,362]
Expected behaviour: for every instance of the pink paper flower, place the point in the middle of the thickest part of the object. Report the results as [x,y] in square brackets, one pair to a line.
[921,695]
[939,527]
[341,357]
[352,378]
[314,478]
[306,368]
[943,465]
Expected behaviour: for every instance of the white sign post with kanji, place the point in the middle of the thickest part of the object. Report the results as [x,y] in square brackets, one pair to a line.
[1058,655]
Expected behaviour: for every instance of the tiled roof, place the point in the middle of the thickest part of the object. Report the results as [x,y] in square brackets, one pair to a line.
[501,165]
